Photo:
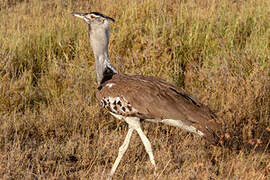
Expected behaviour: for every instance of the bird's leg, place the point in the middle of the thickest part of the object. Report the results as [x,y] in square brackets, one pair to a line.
[121,151]
[135,123]
[147,146]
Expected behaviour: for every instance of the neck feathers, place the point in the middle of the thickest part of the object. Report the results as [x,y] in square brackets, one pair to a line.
[99,40]
[104,68]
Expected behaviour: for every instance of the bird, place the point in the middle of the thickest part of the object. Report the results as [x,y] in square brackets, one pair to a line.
[136,98]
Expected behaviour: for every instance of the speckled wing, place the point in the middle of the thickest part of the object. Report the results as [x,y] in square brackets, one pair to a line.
[153,98]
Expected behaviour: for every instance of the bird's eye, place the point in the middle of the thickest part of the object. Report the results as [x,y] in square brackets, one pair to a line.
[92,17]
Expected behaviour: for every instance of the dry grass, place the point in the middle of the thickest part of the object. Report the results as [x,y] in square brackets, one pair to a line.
[52,128]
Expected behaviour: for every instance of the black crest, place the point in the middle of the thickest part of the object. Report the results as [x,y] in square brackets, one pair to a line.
[102,15]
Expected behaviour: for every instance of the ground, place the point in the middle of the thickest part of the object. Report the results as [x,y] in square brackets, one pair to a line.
[51,126]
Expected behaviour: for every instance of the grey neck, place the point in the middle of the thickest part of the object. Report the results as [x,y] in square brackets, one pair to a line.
[99,40]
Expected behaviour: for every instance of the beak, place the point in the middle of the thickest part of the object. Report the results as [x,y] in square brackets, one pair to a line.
[79,15]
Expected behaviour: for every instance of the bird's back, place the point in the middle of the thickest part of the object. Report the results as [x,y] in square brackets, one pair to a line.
[151,98]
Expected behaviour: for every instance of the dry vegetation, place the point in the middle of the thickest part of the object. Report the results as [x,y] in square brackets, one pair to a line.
[51,126]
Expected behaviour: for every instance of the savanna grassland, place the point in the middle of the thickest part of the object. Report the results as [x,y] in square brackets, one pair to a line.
[51,126]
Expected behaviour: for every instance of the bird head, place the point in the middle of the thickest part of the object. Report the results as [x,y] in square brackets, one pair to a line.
[94,19]
[99,29]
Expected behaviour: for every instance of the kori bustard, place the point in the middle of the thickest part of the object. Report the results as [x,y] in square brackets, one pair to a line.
[134,97]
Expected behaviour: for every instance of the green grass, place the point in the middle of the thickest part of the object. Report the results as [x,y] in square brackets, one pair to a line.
[51,126]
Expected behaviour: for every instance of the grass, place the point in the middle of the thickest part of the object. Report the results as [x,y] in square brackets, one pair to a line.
[51,126]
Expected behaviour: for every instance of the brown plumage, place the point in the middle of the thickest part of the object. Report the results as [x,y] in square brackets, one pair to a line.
[133,97]
[154,98]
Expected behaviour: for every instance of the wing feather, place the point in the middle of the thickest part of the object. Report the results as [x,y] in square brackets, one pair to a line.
[154,98]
